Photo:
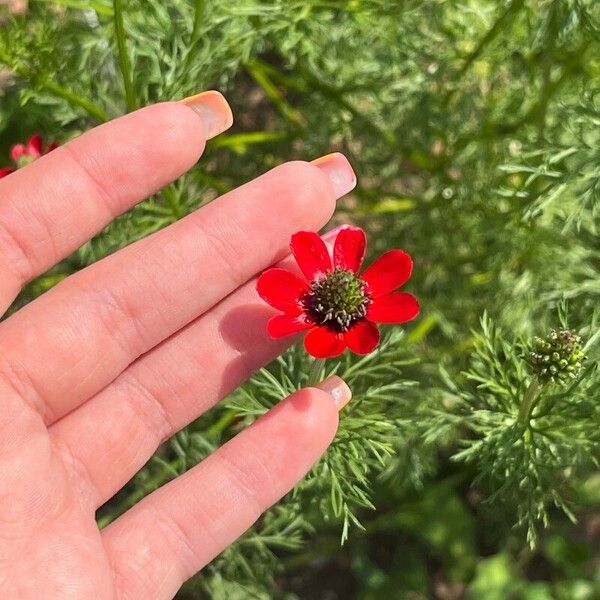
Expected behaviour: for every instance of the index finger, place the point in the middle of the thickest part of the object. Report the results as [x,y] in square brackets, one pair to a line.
[51,207]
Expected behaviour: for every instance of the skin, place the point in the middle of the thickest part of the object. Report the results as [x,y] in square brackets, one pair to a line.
[96,373]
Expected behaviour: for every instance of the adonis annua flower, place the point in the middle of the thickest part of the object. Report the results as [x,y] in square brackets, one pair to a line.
[23,154]
[339,307]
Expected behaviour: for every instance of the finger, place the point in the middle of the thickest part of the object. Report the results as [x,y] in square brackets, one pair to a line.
[178,529]
[51,207]
[108,439]
[85,331]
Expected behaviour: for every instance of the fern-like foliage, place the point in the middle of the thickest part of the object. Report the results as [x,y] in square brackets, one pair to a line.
[473,127]
[526,459]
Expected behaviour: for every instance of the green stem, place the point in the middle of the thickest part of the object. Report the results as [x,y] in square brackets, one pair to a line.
[76,100]
[199,6]
[514,7]
[219,426]
[97,7]
[259,74]
[198,14]
[240,141]
[124,64]
[312,82]
[528,403]
[314,375]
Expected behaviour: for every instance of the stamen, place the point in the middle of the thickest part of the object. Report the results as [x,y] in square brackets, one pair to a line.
[337,301]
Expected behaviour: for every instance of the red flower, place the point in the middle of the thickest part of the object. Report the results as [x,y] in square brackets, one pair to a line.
[339,307]
[23,154]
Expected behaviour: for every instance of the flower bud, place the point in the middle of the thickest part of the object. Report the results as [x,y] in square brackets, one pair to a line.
[556,358]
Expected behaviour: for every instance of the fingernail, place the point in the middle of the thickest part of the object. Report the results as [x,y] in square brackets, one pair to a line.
[338,389]
[337,167]
[214,111]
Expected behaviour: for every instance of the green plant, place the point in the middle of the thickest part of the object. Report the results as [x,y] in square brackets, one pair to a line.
[473,127]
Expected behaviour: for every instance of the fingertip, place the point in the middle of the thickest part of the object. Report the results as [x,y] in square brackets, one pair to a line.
[338,390]
[304,184]
[339,171]
[175,121]
[316,414]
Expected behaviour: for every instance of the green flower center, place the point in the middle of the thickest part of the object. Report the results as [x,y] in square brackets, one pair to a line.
[337,300]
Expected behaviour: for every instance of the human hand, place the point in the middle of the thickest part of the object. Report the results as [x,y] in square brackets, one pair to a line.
[100,370]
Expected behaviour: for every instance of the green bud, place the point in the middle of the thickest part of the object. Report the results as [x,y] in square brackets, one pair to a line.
[556,358]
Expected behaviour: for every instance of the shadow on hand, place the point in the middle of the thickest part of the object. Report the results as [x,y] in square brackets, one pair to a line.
[244,329]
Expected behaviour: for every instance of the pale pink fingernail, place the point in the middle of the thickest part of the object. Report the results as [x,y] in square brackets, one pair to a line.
[337,167]
[338,389]
[214,111]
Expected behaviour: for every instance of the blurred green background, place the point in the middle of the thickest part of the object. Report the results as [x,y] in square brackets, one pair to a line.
[474,128]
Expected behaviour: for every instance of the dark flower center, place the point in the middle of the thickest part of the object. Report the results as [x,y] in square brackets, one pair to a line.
[337,300]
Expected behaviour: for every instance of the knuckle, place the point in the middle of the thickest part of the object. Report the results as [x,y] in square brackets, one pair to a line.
[179,540]
[148,408]
[224,246]
[90,495]
[94,184]
[251,475]
[16,247]
[118,316]
[21,382]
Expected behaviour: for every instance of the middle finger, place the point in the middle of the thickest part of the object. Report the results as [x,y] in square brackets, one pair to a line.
[70,343]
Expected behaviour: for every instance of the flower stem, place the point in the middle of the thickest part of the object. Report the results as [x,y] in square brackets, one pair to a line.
[226,419]
[124,64]
[199,6]
[314,375]
[531,394]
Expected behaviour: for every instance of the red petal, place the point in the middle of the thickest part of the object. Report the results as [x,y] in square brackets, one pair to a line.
[35,145]
[52,146]
[4,171]
[311,254]
[349,249]
[17,151]
[388,272]
[284,325]
[393,308]
[282,290]
[320,342]
[363,337]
